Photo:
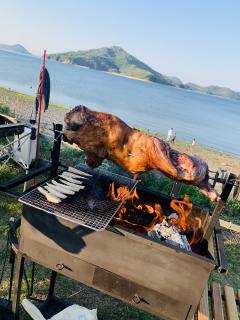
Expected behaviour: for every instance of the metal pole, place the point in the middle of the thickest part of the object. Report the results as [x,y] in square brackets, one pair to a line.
[214,218]
[18,285]
[12,261]
[52,284]
[219,207]
[57,128]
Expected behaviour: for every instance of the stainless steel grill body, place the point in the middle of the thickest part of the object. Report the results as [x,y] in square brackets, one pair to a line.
[89,207]
[158,278]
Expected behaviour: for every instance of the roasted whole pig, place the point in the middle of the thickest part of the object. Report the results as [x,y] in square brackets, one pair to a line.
[105,136]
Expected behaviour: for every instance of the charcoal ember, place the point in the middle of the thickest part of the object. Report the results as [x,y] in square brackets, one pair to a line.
[140,217]
[169,234]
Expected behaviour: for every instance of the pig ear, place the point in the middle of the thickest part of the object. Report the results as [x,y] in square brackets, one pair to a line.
[80,108]
[84,109]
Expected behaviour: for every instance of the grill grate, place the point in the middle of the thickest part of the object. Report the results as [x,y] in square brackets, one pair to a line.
[89,207]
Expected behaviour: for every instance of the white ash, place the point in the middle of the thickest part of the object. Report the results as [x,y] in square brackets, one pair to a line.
[169,234]
[173,216]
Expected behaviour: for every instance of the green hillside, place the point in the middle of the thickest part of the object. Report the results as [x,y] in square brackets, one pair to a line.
[18,48]
[115,59]
[214,90]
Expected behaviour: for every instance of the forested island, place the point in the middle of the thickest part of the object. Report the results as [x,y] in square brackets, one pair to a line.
[117,60]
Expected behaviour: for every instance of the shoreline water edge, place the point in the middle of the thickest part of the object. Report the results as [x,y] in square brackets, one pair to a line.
[22,106]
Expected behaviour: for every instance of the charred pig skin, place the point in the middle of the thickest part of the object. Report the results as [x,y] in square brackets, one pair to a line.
[105,136]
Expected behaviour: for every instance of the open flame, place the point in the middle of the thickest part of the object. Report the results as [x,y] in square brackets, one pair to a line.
[185,222]
[133,213]
[144,216]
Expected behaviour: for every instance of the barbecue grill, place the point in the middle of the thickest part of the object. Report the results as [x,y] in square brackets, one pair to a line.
[153,276]
[159,278]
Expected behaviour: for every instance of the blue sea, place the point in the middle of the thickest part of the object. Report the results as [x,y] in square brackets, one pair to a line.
[211,120]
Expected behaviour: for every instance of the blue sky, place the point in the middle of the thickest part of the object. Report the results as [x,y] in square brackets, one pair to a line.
[197,41]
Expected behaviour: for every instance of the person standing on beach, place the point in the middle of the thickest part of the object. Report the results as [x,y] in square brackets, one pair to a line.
[193,142]
[169,134]
[172,139]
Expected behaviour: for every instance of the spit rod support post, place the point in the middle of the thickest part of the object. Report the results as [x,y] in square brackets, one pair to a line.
[222,259]
[228,187]
[57,128]
[219,206]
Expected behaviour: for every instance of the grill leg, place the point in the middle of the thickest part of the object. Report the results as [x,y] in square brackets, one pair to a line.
[52,284]
[17,285]
[12,261]
[32,280]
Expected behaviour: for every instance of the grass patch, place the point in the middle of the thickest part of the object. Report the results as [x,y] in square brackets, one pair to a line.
[8,95]
[15,94]
[4,109]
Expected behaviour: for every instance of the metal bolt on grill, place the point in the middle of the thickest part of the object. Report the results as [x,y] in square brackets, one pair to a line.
[89,207]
